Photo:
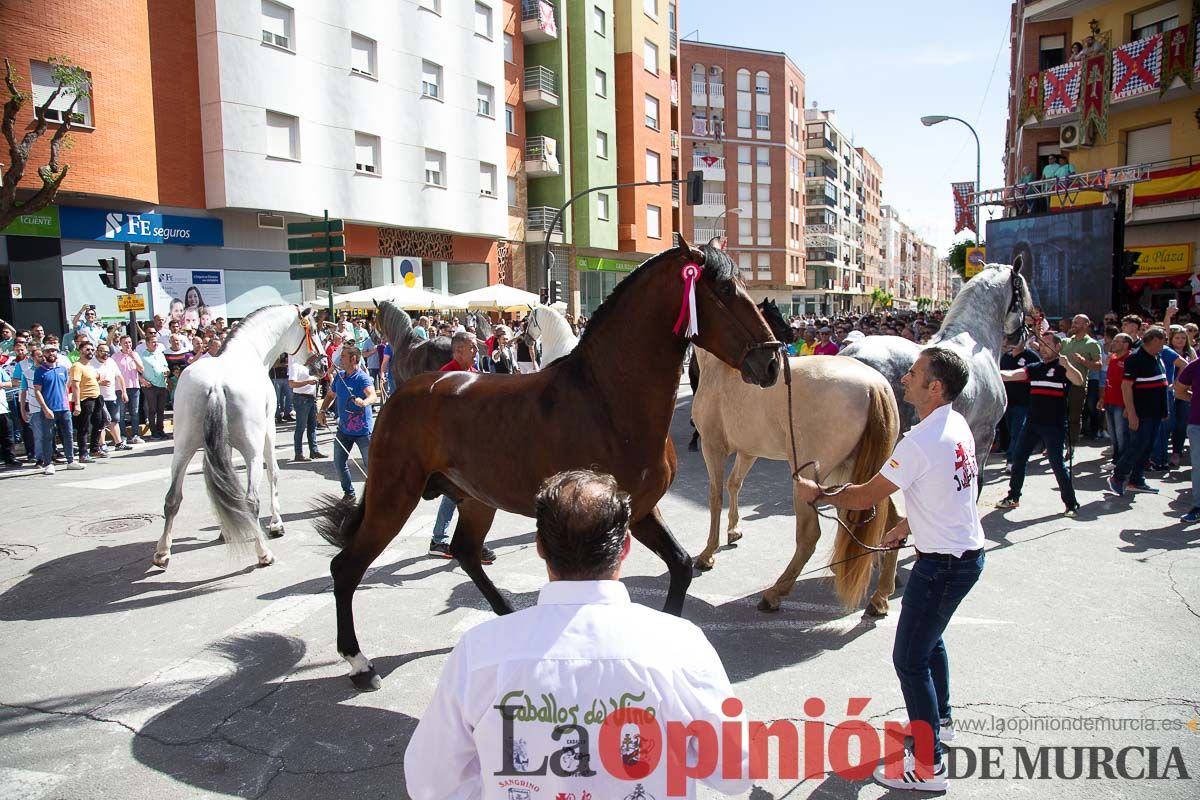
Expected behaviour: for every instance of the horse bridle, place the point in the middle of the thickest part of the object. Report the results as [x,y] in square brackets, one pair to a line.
[1016,306]
[306,326]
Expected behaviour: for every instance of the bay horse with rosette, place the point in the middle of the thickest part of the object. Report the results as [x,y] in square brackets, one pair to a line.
[606,406]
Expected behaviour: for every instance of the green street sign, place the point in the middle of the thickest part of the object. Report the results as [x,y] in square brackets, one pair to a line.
[320,226]
[39,223]
[318,257]
[338,271]
[317,242]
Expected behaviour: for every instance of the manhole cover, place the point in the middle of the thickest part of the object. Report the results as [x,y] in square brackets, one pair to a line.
[116,525]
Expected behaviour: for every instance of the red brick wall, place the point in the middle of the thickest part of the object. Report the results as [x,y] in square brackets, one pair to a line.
[633,83]
[176,88]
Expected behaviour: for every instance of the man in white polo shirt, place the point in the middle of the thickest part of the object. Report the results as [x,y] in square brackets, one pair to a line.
[934,466]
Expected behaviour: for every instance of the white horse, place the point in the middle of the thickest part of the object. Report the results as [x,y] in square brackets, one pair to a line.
[551,328]
[226,403]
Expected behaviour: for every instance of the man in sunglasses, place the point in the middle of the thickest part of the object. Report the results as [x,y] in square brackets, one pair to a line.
[50,384]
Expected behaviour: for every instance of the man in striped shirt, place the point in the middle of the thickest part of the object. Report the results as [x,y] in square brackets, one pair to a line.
[1047,420]
[1145,392]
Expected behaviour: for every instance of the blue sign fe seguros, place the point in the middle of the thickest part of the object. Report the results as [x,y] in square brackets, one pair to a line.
[98,224]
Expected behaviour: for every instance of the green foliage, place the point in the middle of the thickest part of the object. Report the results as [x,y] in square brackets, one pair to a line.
[958,257]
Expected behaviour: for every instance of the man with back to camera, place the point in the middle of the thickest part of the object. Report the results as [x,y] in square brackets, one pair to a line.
[934,466]
[1144,391]
[583,640]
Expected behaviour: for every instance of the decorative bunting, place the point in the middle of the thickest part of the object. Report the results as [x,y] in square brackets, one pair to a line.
[1178,47]
[1062,89]
[1196,40]
[1136,67]
[964,216]
[1094,100]
[1031,99]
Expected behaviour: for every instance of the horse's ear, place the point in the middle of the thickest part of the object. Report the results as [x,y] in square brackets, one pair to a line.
[684,247]
[1018,262]
[305,312]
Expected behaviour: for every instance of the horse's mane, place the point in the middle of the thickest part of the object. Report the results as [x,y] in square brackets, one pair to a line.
[246,320]
[556,331]
[395,323]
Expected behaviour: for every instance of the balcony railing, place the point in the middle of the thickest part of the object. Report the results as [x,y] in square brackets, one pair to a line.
[541,157]
[716,89]
[705,235]
[820,200]
[539,21]
[673,36]
[675,194]
[674,141]
[708,162]
[819,142]
[818,170]
[819,254]
[714,199]
[539,218]
[698,87]
[541,88]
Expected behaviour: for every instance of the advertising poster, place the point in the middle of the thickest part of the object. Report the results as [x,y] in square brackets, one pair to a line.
[193,296]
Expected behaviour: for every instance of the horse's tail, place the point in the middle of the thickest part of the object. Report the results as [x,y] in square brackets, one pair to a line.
[852,578]
[239,523]
[396,325]
[337,521]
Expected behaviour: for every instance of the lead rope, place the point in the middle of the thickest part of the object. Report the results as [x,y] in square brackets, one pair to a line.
[349,456]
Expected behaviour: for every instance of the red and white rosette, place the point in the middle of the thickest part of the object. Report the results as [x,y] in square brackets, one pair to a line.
[687,307]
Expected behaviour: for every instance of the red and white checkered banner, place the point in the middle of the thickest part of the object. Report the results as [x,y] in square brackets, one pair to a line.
[1136,67]
[1178,50]
[964,215]
[1094,98]
[1062,88]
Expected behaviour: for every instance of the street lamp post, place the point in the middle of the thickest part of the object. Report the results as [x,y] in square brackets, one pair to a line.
[736,210]
[934,120]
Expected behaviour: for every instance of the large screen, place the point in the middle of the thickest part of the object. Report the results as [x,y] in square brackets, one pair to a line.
[1068,258]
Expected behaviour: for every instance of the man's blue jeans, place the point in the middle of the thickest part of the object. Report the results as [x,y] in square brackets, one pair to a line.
[283,397]
[1141,442]
[936,586]
[1052,436]
[1014,417]
[66,431]
[1159,453]
[1118,429]
[39,453]
[1193,432]
[130,411]
[341,450]
[442,524]
[306,422]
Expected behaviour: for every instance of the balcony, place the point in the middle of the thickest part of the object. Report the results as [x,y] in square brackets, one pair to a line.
[820,200]
[820,143]
[706,235]
[675,195]
[675,142]
[673,38]
[539,21]
[816,255]
[713,167]
[674,92]
[537,222]
[541,88]
[820,169]
[541,157]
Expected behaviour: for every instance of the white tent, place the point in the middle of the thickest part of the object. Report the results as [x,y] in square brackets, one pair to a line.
[497,297]
[400,296]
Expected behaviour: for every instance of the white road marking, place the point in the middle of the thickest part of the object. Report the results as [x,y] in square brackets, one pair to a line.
[25,784]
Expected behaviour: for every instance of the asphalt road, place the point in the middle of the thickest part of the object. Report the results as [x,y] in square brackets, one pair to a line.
[211,680]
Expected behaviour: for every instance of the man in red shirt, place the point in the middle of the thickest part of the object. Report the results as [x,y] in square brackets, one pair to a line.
[1112,404]
[464,349]
[825,346]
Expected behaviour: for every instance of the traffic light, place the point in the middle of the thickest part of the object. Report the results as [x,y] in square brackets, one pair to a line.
[543,293]
[555,292]
[109,275]
[695,187]
[1129,262]
[137,269]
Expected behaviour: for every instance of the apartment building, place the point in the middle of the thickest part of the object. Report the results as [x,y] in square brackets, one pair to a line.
[1131,101]
[742,117]
[872,204]
[512,269]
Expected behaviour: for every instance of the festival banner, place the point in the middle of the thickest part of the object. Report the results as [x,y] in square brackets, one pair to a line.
[1178,49]
[1136,67]
[189,295]
[1061,89]
[1094,101]
[1031,98]
[1170,185]
[964,215]
[1196,41]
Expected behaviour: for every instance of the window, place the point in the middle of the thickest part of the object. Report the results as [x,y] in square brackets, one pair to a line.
[601,144]
[483,20]
[1051,51]
[431,80]
[485,95]
[510,119]
[512,190]
[744,192]
[601,83]
[764,156]
[508,49]
[653,162]
[763,192]
[366,153]
[601,206]
[654,222]
[764,266]
[745,227]
[599,22]
[764,231]
[650,56]
[435,168]
[743,80]
[1147,145]
[487,179]
[650,7]
[651,112]
[42,75]
[743,119]
[432,5]
[762,83]
[1161,18]
[743,155]
[283,136]
[362,55]
[762,122]
[276,25]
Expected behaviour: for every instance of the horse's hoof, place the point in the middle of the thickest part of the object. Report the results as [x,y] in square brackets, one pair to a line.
[874,612]
[275,533]
[733,536]
[367,681]
[703,565]
[767,606]
[161,561]
[266,561]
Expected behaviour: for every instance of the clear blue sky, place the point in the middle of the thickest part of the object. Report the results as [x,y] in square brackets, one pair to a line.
[882,66]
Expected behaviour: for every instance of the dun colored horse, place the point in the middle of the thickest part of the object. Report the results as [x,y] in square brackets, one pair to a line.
[607,406]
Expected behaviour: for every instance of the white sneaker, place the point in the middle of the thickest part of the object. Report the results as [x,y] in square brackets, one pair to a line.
[75,465]
[946,732]
[939,781]
[48,469]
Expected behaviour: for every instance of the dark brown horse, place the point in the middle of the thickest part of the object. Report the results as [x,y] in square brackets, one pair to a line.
[606,406]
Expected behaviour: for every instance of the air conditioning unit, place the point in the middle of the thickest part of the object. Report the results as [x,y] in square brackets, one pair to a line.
[1074,135]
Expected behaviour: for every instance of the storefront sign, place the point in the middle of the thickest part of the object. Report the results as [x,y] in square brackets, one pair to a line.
[41,223]
[597,264]
[184,294]
[98,224]
[1164,259]
[131,302]
[976,259]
